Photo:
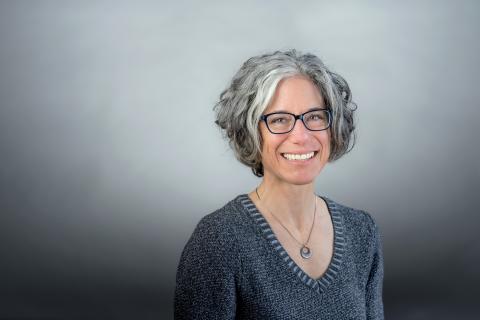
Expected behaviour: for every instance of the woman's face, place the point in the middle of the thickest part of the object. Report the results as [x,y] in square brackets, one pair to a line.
[296,94]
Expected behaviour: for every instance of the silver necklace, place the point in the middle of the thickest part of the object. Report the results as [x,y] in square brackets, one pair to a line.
[305,251]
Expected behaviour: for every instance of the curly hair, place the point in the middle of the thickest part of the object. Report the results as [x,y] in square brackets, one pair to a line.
[242,103]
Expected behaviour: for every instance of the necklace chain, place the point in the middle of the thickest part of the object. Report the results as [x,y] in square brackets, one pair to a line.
[304,251]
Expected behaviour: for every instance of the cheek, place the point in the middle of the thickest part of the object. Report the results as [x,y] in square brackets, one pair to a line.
[270,149]
[264,141]
[324,140]
[327,146]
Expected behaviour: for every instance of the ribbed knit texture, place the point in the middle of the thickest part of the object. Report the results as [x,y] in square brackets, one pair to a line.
[234,267]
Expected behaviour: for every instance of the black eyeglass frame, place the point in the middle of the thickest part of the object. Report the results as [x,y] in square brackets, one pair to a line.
[264,118]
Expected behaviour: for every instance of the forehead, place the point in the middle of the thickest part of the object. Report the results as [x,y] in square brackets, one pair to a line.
[295,94]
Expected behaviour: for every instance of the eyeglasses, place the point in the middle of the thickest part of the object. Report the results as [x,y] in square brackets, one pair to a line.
[284,122]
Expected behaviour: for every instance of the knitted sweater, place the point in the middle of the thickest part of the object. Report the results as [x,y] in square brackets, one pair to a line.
[233,267]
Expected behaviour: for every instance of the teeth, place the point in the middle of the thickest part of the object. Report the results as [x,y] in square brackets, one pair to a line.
[290,156]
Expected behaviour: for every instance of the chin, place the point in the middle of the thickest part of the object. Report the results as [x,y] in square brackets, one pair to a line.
[294,177]
[302,183]
[300,180]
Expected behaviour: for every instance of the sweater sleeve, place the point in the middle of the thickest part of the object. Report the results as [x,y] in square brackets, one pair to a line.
[205,281]
[374,301]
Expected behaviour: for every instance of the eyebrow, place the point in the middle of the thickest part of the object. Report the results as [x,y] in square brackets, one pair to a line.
[311,109]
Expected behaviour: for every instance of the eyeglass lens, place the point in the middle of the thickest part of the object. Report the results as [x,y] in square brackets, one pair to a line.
[284,122]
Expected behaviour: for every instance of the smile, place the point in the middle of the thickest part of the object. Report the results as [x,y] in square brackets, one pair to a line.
[295,156]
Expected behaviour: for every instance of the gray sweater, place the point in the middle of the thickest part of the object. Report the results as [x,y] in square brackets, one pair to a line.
[233,267]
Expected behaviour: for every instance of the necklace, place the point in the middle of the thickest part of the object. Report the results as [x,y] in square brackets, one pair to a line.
[305,251]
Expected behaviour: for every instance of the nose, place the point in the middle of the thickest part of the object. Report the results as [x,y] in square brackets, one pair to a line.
[299,132]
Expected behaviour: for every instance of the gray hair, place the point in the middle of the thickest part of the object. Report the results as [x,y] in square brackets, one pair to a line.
[242,103]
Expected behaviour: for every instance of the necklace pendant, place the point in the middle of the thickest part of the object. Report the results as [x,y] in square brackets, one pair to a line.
[305,252]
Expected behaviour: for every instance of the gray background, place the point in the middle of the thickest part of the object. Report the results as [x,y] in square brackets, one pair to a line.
[109,156]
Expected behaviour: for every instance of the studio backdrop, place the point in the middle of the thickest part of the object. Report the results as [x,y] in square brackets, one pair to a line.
[109,156]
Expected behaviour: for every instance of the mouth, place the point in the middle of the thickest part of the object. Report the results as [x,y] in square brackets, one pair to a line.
[299,156]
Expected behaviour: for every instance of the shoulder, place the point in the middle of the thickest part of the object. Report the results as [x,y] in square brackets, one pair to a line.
[225,219]
[222,227]
[360,232]
[358,221]
[214,243]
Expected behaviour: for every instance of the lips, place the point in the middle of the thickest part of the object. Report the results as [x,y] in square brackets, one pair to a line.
[299,156]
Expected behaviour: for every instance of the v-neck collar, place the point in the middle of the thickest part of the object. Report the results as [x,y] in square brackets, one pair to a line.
[322,283]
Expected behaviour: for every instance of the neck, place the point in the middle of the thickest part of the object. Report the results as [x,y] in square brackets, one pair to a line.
[293,205]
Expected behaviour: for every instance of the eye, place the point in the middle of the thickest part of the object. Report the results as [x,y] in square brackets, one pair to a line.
[315,117]
[278,119]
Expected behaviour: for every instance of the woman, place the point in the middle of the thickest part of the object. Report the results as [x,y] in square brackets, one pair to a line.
[281,251]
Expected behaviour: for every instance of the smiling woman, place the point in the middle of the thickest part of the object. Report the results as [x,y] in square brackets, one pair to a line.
[285,152]
[282,251]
